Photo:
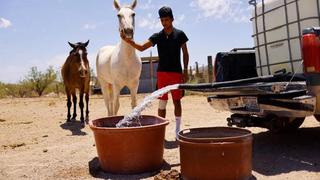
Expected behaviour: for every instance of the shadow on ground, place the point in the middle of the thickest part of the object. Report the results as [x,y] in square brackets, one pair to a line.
[286,152]
[75,127]
[171,144]
[96,171]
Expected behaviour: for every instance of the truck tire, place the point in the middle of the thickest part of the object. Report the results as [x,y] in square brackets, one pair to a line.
[285,124]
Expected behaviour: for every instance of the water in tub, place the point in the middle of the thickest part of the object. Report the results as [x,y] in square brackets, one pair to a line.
[132,119]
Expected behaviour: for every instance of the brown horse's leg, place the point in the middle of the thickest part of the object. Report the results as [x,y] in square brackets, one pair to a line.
[81,105]
[69,106]
[87,107]
[74,98]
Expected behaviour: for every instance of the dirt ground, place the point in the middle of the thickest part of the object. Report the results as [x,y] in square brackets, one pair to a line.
[36,143]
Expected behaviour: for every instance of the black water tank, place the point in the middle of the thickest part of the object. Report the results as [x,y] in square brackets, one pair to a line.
[235,65]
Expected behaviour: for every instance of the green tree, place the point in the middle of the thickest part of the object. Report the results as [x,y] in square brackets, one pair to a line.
[39,80]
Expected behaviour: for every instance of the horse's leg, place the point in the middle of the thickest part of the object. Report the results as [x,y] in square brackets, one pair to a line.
[133,92]
[68,105]
[107,96]
[74,98]
[116,104]
[81,105]
[110,95]
[87,106]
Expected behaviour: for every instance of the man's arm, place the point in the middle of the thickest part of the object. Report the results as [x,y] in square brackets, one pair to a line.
[140,47]
[185,54]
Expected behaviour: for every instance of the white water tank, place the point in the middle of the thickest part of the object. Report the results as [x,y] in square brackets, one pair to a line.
[277,31]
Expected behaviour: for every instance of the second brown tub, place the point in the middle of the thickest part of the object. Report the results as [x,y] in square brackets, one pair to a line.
[215,153]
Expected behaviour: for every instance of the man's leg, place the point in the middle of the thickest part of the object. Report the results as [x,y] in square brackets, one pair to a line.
[162,108]
[177,113]
[162,82]
[176,97]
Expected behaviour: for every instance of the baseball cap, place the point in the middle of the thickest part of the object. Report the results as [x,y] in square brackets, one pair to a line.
[165,11]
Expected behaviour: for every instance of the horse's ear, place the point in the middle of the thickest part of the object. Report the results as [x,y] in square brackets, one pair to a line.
[116,4]
[72,45]
[86,43]
[134,4]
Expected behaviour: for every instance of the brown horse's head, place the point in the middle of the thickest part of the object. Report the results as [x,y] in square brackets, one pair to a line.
[78,54]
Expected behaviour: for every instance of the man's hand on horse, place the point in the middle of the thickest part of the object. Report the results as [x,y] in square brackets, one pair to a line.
[124,37]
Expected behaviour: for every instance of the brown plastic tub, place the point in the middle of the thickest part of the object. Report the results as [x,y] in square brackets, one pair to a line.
[129,150]
[215,153]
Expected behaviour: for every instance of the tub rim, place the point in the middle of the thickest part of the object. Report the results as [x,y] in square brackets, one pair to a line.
[93,127]
[214,140]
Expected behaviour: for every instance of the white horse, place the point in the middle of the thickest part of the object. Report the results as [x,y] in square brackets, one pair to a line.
[119,66]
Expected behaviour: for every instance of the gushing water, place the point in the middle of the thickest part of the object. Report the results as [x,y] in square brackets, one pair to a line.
[133,117]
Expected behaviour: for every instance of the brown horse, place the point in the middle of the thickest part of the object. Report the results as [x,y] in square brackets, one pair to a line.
[76,75]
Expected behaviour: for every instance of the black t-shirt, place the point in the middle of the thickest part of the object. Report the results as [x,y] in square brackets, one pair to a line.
[169,49]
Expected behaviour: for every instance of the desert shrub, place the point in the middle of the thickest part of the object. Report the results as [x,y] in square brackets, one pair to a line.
[21,89]
[36,83]
[39,81]
[25,89]
[2,90]
[55,87]
[11,90]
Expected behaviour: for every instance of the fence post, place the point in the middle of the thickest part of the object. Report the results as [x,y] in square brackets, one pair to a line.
[197,69]
[210,74]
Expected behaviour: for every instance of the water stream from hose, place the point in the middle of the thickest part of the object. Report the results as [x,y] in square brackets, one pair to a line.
[132,119]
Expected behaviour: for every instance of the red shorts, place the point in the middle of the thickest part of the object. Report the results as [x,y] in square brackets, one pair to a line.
[170,78]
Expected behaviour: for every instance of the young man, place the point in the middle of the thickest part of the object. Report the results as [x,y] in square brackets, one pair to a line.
[169,43]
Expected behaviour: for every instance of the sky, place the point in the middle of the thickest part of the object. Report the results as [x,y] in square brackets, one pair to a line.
[35,33]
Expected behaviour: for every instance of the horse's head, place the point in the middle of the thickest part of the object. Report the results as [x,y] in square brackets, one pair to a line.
[126,18]
[79,57]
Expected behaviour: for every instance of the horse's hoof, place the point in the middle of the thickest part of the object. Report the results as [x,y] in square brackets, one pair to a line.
[87,120]
[83,124]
